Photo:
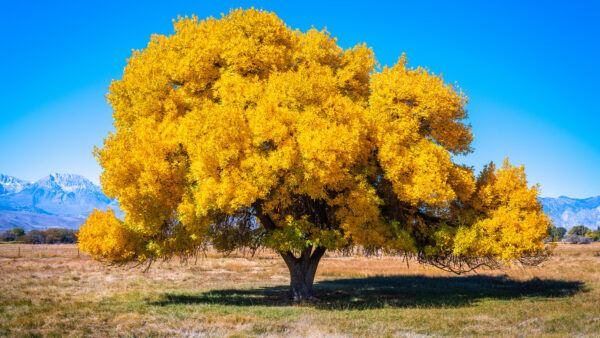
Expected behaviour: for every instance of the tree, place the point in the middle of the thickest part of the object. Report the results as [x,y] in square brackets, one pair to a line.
[579,230]
[596,234]
[556,233]
[14,234]
[56,235]
[35,237]
[241,132]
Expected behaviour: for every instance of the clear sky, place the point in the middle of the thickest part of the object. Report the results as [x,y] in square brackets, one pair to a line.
[531,70]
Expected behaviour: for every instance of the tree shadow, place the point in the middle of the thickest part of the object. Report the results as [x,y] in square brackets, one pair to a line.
[392,291]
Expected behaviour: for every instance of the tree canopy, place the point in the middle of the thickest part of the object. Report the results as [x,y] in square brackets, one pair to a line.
[240,131]
[579,230]
[556,233]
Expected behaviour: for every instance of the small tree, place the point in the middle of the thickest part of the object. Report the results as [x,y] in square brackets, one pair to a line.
[579,230]
[5,237]
[243,132]
[592,234]
[35,237]
[14,234]
[596,234]
[55,235]
[556,233]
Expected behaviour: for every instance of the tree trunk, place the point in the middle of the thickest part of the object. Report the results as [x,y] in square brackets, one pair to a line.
[303,269]
[302,273]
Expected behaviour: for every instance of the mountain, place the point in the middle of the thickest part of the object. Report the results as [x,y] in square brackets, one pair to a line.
[57,200]
[568,212]
[36,221]
[9,184]
[58,194]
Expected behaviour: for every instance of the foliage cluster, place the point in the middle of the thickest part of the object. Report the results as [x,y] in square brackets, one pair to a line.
[556,234]
[579,230]
[594,234]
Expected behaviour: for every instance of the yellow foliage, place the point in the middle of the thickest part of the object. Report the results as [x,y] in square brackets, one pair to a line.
[510,222]
[230,114]
[105,236]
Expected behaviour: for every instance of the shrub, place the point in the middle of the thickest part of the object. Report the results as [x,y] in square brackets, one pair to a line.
[594,235]
[575,239]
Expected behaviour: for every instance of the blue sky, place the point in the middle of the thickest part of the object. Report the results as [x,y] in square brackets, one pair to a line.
[531,70]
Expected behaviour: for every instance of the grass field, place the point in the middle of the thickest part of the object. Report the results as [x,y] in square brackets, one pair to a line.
[47,293]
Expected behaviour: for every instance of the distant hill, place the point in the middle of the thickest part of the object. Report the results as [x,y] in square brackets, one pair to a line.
[57,200]
[65,200]
[568,212]
[36,221]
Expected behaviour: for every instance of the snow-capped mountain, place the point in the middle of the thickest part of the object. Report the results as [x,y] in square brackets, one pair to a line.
[9,184]
[64,200]
[568,212]
[59,194]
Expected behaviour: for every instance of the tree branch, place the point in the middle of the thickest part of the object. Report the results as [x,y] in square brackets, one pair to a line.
[306,253]
[318,253]
[265,219]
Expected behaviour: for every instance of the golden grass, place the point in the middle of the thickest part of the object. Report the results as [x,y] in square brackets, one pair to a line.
[8,250]
[61,294]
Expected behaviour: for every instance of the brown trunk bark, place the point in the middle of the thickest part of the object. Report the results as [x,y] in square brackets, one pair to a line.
[302,273]
[303,269]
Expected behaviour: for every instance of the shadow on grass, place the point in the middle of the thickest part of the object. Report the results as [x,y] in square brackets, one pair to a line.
[393,291]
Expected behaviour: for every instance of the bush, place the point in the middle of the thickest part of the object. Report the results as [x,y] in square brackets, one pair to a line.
[595,235]
[574,239]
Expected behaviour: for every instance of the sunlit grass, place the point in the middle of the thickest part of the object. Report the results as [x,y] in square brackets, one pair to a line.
[358,296]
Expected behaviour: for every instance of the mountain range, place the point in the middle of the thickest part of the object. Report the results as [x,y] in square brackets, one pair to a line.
[568,212]
[65,200]
[55,201]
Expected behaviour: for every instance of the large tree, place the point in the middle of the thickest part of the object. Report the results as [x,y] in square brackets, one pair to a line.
[240,131]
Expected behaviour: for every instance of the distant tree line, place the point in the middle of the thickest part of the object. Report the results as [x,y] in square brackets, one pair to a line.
[50,236]
[579,234]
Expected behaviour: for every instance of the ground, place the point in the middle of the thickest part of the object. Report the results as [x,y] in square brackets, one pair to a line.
[49,290]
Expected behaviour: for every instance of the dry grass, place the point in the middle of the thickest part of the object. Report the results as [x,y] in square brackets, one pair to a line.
[40,251]
[61,294]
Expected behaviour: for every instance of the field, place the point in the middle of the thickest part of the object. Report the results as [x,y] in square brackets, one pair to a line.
[53,291]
